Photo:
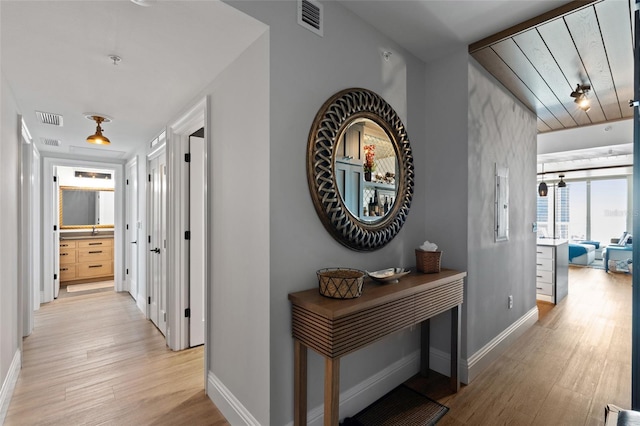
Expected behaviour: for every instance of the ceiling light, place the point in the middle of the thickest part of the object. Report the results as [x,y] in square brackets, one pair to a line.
[562,183]
[580,95]
[98,138]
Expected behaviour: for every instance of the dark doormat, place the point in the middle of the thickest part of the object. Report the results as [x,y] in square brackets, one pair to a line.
[402,406]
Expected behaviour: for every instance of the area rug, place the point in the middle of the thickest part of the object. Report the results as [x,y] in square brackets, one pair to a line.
[402,406]
[89,286]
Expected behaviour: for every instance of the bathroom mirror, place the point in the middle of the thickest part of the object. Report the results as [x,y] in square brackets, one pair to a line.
[86,208]
[359,153]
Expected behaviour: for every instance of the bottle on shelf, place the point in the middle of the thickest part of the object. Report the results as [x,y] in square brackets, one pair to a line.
[376,204]
[385,207]
[371,209]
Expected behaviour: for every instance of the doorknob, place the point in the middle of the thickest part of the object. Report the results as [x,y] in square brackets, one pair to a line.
[134,242]
[155,250]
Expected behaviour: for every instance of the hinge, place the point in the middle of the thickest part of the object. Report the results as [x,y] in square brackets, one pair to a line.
[55,227]
[187,313]
[127,272]
[149,239]
[187,157]
[187,235]
[55,276]
[127,181]
[165,317]
[149,300]
[149,178]
[127,226]
[55,178]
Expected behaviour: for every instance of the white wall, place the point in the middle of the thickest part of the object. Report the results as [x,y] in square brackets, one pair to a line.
[503,131]
[10,337]
[305,71]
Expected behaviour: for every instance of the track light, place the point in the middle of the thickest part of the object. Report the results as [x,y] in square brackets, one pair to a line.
[580,95]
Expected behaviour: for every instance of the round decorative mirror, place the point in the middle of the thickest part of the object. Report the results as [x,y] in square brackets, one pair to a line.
[360,169]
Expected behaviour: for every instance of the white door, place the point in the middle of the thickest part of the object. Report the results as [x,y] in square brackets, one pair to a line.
[157,290]
[131,229]
[197,179]
[56,233]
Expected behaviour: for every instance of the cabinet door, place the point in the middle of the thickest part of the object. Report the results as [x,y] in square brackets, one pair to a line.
[351,149]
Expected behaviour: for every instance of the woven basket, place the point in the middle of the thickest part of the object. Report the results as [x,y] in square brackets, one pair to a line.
[340,283]
[428,261]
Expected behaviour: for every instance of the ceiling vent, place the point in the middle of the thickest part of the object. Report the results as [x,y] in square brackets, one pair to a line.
[310,15]
[49,118]
[51,142]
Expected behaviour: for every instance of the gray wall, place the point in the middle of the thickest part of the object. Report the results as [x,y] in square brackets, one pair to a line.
[305,71]
[9,158]
[501,131]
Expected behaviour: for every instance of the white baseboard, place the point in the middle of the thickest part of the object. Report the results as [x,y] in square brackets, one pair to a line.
[230,407]
[6,392]
[480,360]
[141,305]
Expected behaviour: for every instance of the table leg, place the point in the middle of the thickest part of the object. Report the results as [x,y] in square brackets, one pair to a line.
[455,348]
[331,391]
[424,347]
[299,383]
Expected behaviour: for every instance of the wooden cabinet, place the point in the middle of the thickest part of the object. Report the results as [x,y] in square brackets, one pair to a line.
[552,269]
[86,259]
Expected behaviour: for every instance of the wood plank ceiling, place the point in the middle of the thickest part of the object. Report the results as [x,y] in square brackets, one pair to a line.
[542,61]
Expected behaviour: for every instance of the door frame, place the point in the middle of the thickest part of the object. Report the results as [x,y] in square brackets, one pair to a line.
[48,164]
[132,208]
[178,134]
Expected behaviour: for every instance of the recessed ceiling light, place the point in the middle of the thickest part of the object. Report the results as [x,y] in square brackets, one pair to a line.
[608,128]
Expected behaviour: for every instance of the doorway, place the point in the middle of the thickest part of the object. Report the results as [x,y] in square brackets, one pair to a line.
[132,227]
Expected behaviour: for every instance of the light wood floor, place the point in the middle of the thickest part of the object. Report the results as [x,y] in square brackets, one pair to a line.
[93,359]
[562,371]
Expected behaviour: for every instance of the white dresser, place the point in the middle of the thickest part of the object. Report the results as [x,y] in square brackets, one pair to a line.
[552,269]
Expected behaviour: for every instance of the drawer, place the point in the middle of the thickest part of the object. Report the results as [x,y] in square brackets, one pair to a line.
[544,289]
[91,254]
[544,252]
[67,255]
[95,269]
[543,264]
[67,272]
[544,276]
[67,244]
[99,242]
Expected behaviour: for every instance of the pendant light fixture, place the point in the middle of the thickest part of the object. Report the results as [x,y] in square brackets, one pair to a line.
[542,188]
[98,138]
[562,184]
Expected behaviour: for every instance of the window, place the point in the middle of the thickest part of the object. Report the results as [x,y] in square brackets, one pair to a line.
[593,209]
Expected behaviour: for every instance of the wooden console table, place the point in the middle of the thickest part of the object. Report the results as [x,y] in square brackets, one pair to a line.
[337,327]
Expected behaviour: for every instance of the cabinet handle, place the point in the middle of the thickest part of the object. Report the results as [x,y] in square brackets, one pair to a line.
[95,252]
[64,254]
[95,266]
[95,244]
[64,245]
[538,288]
[538,276]
[539,264]
[64,269]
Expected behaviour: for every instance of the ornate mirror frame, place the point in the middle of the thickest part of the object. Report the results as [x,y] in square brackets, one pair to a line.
[337,113]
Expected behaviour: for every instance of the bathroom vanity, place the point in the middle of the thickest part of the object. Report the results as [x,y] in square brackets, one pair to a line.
[86,259]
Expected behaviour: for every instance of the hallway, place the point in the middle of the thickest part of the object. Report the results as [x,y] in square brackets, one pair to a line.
[94,359]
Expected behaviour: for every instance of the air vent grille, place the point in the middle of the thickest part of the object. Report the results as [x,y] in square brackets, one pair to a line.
[51,142]
[49,118]
[310,15]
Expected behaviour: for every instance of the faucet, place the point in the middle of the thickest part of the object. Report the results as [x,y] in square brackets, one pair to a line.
[93,232]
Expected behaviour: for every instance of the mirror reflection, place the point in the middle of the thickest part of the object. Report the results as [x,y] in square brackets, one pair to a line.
[86,207]
[365,167]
